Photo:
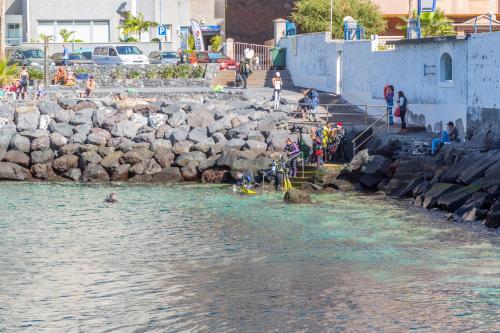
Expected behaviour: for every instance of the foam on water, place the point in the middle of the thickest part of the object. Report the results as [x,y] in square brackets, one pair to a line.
[197,258]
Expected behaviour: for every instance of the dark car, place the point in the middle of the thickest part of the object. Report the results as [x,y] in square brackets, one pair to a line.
[74,59]
[157,57]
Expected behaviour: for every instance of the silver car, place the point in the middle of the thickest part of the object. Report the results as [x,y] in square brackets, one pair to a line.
[157,57]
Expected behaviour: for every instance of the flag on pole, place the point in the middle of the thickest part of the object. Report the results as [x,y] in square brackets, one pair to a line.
[198,36]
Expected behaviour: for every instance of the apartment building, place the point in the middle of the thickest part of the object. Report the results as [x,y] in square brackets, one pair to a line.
[98,21]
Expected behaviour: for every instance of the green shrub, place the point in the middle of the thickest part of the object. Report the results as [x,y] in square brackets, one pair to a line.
[134,74]
[81,70]
[35,73]
[152,74]
[118,74]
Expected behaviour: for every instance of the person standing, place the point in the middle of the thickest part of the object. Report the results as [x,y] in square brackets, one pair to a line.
[292,151]
[245,72]
[389,99]
[277,84]
[403,108]
[65,56]
[24,78]
[90,86]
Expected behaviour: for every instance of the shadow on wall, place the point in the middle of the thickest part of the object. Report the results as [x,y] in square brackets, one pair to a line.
[482,120]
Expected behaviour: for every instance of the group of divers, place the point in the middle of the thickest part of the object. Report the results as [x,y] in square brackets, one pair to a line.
[327,143]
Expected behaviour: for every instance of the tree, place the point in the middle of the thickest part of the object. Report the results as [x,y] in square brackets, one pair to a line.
[216,43]
[314,16]
[7,73]
[66,36]
[432,24]
[2,28]
[137,25]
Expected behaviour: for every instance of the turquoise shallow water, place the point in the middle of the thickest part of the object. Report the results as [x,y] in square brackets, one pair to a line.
[202,259]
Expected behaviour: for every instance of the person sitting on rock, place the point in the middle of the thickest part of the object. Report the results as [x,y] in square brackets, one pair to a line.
[70,80]
[447,137]
[60,77]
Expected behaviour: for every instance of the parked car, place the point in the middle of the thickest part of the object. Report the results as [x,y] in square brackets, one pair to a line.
[214,57]
[119,54]
[87,53]
[25,56]
[74,59]
[157,57]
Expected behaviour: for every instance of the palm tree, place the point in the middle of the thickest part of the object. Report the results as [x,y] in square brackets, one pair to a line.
[432,24]
[216,43]
[2,28]
[7,73]
[66,36]
[137,25]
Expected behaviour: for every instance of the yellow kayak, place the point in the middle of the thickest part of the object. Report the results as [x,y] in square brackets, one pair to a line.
[245,190]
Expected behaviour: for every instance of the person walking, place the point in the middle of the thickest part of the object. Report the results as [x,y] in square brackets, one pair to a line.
[24,78]
[403,108]
[65,56]
[277,84]
[389,99]
[90,86]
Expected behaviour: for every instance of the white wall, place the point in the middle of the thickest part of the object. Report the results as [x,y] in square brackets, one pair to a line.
[365,73]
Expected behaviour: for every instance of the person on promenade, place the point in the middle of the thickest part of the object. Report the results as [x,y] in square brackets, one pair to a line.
[61,76]
[245,71]
[24,79]
[256,62]
[90,86]
[447,136]
[403,108]
[318,149]
[277,84]
[292,151]
[389,99]
[65,56]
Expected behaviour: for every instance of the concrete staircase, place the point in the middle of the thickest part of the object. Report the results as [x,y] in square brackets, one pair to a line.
[309,172]
[258,79]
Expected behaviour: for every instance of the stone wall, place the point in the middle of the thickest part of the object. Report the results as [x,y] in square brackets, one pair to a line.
[184,137]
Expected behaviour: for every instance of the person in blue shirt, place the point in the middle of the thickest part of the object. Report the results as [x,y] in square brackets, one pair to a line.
[389,98]
[65,56]
[447,136]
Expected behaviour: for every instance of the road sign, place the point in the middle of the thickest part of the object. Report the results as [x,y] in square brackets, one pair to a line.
[162,30]
[427,5]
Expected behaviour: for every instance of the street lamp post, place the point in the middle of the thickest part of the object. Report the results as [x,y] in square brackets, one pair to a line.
[331,18]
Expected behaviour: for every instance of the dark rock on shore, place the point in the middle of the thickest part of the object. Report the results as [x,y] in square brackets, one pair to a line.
[295,196]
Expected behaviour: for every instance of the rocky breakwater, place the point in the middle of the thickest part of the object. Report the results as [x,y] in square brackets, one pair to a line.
[183,138]
[463,182]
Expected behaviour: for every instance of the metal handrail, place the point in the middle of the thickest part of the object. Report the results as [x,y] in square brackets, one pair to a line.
[355,147]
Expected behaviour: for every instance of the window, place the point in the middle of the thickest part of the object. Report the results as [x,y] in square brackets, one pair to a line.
[112,52]
[128,50]
[446,68]
[13,30]
[86,31]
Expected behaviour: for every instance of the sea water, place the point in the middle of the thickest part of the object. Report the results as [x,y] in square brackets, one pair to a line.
[204,259]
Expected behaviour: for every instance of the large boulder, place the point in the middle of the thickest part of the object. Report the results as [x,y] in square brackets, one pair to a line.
[95,173]
[57,140]
[21,143]
[189,172]
[7,131]
[42,156]
[161,144]
[33,134]
[78,138]
[295,196]
[216,176]
[324,176]
[177,119]
[178,134]
[6,112]
[151,167]
[44,122]
[139,119]
[63,116]
[17,157]
[277,139]
[65,163]
[27,118]
[492,221]
[112,160]
[125,128]
[370,182]
[65,129]
[209,163]
[114,119]
[136,156]
[98,137]
[73,174]
[255,145]
[41,143]
[200,118]
[236,144]
[165,158]
[168,175]
[11,171]
[437,190]
[478,168]
[70,149]
[220,125]
[100,115]
[182,147]
[157,120]
[377,165]
[43,172]
[198,135]
[83,128]
[219,138]
[84,104]
[49,108]
[121,174]
[89,157]
[453,200]
[194,157]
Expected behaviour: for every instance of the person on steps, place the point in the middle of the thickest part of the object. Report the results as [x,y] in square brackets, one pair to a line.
[403,108]
[277,84]
[389,99]
[292,150]
[245,71]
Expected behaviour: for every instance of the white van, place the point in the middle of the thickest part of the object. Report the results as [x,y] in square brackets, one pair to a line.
[119,55]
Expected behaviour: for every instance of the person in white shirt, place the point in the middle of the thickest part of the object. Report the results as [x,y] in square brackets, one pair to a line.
[277,84]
